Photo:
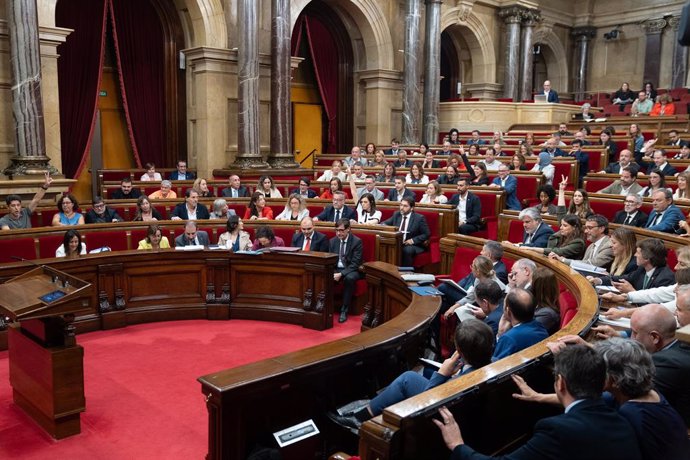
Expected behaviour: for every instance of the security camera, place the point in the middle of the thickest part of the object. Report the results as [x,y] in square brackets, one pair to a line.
[613,34]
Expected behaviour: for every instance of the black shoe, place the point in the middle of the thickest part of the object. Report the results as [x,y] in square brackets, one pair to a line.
[347,421]
[343,316]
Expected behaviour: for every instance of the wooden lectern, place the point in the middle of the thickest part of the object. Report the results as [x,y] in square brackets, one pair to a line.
[46,364]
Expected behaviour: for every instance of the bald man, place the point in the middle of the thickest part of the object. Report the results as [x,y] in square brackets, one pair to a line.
[683,304]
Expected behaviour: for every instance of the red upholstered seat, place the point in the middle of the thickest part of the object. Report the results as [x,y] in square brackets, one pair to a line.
[48,244]
[17,247]
[116,240]
[568,307]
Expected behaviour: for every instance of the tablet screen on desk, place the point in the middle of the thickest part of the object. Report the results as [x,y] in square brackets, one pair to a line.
[52,296]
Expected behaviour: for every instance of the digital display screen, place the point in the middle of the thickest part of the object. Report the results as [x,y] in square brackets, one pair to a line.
[52,296]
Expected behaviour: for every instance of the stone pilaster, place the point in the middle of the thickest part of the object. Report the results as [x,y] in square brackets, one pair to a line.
[680,56]
[530,18]
[583,36]
[248,143]
[512,17]
[411,89]
[652,59]
[432,70]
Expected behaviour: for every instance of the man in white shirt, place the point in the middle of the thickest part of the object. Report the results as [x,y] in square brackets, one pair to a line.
[626,185]
[490,160]
[599,253]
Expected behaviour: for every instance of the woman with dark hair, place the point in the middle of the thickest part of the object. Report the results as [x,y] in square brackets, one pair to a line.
[433,194]
[450,177]
[145,211]
[388,174]
[151,174]
[453,136]
[546,298]
[71,246]
[657,181]
[67,215]
[366,210]
[517,162]
[481,175]
[369,150]
[265,238]
[606,141]
[624,95]
[649,91]
[579,205]
[267,187]
[416,175]
[257,209]
[473,150]
[154,239]
[336,185]
[567,242]
[546,194]
[235,238]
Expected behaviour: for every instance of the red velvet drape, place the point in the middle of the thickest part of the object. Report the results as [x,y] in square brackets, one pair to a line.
[140,52]
[79,77]
[324,54]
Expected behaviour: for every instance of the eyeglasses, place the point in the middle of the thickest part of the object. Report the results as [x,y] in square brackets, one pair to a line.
[630,202]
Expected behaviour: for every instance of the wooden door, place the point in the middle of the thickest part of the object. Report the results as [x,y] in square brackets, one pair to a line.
[307,122]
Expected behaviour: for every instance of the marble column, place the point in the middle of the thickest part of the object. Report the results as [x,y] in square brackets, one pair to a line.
[432,70]
[248,146]
[530,18]
[583,36]
[680,56]
[652,56]
[512,16]
[280,155]
[27,100]
[411,89]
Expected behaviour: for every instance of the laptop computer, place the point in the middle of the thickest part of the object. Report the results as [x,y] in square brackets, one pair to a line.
[540,98]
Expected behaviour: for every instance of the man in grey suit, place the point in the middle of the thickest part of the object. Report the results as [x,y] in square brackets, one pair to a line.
[369,187]
[599,253]
[192,236]
[626,185]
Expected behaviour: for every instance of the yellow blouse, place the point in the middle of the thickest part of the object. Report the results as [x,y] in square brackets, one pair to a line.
[143,244]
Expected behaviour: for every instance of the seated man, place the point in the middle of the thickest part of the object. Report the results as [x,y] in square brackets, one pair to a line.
[414,229]
[191,209]
[192,236]
[236,189]
[666,215]
[509,184]
[660,159]
[487,306]
[642,105]
[100,213]
[476,139]
[536,233]
[369,187]
[580,375]
[469,208]
[349,250]
[551,147]
[19,217]
[126,192]
[521,274]
[474,343]
[355,156]
[402,161]
[599,253]
[307,239]
[626,185]
[490,161]
[395,148]
[165,193]
[582,159]
[304,189]
[625,159]
[400,191]
[631,214]
[523,330]
[181,173]
[338,210]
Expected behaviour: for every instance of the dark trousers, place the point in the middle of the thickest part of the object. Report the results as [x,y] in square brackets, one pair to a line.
[408,254]
[349,283]
[468,229]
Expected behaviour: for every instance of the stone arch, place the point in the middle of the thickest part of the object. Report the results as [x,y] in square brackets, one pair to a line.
[371,24]
[555,57]
[477,37]
[204,23]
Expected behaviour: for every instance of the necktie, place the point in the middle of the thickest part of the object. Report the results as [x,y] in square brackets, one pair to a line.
[235,193]
[342,252]
[647,279]
[307,243]
[627,220]
[656,220]
[337,215]
[529,238]
[403,227]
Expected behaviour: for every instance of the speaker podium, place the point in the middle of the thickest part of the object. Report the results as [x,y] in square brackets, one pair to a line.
[46,364]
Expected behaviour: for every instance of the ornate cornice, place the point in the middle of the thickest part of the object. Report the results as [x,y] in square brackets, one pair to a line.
[653,26]
[584,32]
[674,22]
[519,14]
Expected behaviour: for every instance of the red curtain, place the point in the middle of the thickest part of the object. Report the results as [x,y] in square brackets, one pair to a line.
[79,77]
[325,58]
[140,52]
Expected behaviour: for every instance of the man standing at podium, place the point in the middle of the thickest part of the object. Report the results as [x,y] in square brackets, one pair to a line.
[349,250]
[19,217]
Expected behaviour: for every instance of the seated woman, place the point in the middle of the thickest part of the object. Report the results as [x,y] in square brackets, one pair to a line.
[517,162]
[145,211]
[154,239]
[295,208]
[546,298]
[546,168]
[379,159]
[483,270]
[579,205]
[529,139]
[201,187]
[367,213]
[433,194]
[585,113]
[416,175]
[450,177]
[71,246]
[624,245]
[221,210]
[257,209]
[657,181]
[267,188]
[235,238]
[335,171]
[151,174]
[67,204]
[481,176]
[336,185]
[664,106]
[473,150]
[567,242]
[546,194]
[624,95]
[682,192]
[526,151]
[388,174]
[265,238]
[606,141]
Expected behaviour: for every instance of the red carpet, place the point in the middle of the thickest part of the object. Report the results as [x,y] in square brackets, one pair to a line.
[142,397]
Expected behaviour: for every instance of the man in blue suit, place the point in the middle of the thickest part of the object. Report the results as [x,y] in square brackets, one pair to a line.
[509,184]
[525,331]
[338,210]
[587,429]
[181,173]
[469,208]
[536,231]
[551,95]
[666,215]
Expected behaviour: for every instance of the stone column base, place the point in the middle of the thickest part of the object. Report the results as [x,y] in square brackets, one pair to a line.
[29,166]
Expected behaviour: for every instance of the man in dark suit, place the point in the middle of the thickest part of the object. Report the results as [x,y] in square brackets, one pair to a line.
[399,191]
[650,256]
[192,236]
[304,189]
[126,192]
[666,215]
[580,374]
[100,213]
[235,190]
[349,250]
[525,331]
[551,95]
[309,240]
[414,228]
[191,209]
[631,214]
[661,163]
[537,233]
[402,161]
[625,159]
[395,147]
[469,208]
[337,210]
[181,173]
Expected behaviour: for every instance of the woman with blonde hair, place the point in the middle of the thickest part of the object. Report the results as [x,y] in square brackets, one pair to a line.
[201,187]
[483,270]
[433,194]
[681,192]
[295,208]
[624,246]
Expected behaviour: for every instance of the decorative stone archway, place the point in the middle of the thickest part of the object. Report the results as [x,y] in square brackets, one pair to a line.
[555,58]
